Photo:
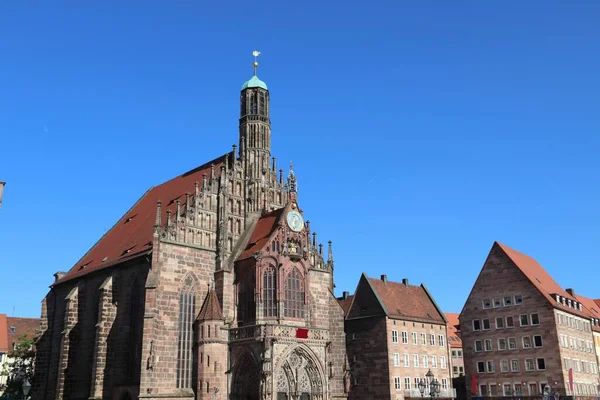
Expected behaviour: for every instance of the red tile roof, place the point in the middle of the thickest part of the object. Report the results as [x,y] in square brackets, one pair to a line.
[211,308]
[540,279]
[265,226]
[132,235]
[345,304]
[453,330]
[406,302]
[3,334]
[18,327]
[592,309]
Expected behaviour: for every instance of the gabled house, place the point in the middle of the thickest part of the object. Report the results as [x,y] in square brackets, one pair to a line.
[395,335]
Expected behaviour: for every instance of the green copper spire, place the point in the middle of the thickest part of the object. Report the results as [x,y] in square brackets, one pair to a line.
[254,81]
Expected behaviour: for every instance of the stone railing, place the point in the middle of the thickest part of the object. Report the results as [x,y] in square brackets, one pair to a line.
[276,331]
[449,393]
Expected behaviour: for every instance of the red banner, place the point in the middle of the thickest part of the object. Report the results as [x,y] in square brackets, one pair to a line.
[474,384]
[302,333]
[571,379]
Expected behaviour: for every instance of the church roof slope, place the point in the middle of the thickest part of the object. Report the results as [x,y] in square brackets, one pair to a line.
[453,330]
[345,304]
[132,235]
[211,308]
[540,278]
[406,301]
[265,226]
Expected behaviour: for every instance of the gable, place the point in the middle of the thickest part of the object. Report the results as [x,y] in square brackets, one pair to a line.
[265,227]
[365,302]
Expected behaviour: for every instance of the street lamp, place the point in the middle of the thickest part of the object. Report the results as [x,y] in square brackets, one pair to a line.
[434,390]
[422,387]
[547,392]
[26,387]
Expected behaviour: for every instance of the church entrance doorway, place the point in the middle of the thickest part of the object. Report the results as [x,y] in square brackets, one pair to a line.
[299,378]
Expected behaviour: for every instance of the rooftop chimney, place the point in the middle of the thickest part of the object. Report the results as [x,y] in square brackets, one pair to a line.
[571,291]
[345,295]
[384,278]
[59,275]
[405,282]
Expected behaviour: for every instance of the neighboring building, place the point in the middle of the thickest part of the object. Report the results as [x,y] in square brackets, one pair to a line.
[12,329]
[395,334]
[522,332]
[455,342]
[594,311]
[211,286]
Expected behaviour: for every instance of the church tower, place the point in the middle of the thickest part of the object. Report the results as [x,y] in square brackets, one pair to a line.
[255,141]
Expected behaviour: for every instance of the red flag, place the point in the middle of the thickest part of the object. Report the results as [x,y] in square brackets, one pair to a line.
[302,333]
[571,379]
[473,384]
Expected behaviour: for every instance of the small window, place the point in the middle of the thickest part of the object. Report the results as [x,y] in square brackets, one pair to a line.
[480,367]
[541,364]
[535,319]
[523,318]
[397,385]
[487,304]
[518,299]
[512,343]
[497,303]
[12,330]
[504,366]
[508,301]
[499,323]
[431,339]
[514,365]
[486,324]
[441,340]
[501,344]
[424,339]
[396,359]
[478,345]
[491,368]
[537,341]
[510,322]
[476,325]
[529,364]
[404,337]
[459,352]
[394,336]
[526,342]
[488,344]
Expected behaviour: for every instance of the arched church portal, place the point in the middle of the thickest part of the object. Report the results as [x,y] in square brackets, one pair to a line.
[246,379]
[299,377]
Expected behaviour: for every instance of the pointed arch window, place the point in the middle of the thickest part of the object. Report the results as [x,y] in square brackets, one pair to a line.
[269,292]
[294,295]
[185,340]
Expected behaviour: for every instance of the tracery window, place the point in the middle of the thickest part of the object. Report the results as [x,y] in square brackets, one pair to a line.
[269,290]
[187,311]
[294,295]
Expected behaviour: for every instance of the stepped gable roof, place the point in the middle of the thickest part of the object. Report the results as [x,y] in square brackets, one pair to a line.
[407,301]
[3,334]
[265,226]
[17,327]
[540,279]
[345,304]
[132,235]
[453,330]
[592,308]
[211,308]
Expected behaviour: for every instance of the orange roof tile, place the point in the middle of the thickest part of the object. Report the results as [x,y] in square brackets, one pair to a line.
[540,279]
[3,334]
[406,302]
[265,226]
[211,308]
[132,235]
[18,327]
[453,330]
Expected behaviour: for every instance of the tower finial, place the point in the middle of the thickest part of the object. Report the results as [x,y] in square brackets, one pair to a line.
[255,53]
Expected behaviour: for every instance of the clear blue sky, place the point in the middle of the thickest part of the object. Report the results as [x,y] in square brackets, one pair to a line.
[420,131]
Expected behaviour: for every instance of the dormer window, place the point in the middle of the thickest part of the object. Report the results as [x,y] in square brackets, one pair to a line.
[12,330]
[518,299]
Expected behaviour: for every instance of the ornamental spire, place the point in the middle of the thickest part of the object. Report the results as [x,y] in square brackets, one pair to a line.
[255,53]
[292,184]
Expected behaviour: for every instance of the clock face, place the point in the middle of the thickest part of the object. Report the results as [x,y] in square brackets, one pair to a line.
[295,221]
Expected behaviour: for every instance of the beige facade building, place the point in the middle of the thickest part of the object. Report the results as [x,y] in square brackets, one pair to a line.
[523,334]
[395,334]
[455,343]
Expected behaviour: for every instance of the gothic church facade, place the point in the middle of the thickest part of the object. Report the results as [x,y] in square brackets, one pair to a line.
[211,286]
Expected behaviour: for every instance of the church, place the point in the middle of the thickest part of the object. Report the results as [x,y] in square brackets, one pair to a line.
[211,286]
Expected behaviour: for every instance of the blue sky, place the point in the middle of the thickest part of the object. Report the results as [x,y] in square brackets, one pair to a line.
[420,131]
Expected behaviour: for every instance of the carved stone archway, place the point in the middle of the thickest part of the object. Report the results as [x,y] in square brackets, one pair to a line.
[246,379]
[299,377]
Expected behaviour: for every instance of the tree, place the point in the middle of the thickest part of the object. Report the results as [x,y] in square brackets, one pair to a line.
[19,366]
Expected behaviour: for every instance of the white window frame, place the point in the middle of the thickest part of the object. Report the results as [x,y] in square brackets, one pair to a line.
[531,319]
[404,337]
[475,346]
[530,342]
[514,341]
[532,364]
[434,363]
[541,339]
[504,363]
[396,359]
[394,336]
[512,369]
[521,320]
[397,383]
[406,360]
[484,305]
[443,362]
[485,345]
[416,360]
[476,329]
[505,344]
[537,368]
[477,365]
[441,340]
[483,321]
[414,339]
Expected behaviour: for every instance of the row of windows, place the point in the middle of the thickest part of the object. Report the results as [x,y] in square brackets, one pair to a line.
[505,301]
[509,343]
[580,366]
[532,389]
[506,322]
[570,342]
[425,361]
[407,383]
[457,354]
[458,370]
[574,323]
[531,364]
[414,338]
